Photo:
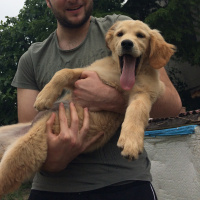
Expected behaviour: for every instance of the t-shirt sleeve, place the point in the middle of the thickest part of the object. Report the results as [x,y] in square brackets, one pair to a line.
[25,76]
[123,17]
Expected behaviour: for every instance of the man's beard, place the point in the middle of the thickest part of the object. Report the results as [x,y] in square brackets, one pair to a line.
[64,22]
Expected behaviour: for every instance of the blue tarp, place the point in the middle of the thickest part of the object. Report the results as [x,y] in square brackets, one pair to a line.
[183,130]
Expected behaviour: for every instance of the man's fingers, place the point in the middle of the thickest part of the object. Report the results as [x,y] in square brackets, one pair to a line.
[81,83]
[86,122]
[50,122]
[49,125]
[74,118]
[85,74]
[63,119]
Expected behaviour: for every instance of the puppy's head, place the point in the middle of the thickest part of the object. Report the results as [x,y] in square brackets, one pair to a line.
[132,42]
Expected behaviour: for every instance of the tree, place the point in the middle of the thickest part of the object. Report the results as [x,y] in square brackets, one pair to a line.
[107,7]
[34,23]
[140,9]
[179,22]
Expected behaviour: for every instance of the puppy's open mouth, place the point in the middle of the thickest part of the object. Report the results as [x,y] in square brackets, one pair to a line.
[128,66]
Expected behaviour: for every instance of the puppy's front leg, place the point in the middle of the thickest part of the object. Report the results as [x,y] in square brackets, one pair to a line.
[136,119]
[64,78]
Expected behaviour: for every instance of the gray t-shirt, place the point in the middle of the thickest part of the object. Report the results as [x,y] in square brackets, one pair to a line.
[100,168]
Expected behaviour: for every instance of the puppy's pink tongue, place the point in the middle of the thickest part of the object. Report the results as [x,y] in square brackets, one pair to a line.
[127,78]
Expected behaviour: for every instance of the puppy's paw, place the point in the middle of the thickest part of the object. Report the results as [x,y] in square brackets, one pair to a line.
[131,143]
[45,100]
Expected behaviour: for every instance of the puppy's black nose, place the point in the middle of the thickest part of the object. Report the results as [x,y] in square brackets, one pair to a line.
[127,44]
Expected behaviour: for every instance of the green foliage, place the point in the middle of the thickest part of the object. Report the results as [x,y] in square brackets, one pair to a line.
[179,22]
[21,194]
[107,7]
[140,9]
[34,23]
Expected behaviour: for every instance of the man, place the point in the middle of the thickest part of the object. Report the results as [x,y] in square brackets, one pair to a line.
[103,174]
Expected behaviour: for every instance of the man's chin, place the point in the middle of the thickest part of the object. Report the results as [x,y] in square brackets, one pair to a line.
[73,22]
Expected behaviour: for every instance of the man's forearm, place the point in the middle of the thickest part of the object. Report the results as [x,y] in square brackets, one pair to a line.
[169,104]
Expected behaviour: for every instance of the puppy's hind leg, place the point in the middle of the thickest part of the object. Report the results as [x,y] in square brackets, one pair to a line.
[23,158]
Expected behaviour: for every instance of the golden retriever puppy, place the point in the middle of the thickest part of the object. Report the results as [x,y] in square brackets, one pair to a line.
[137,53]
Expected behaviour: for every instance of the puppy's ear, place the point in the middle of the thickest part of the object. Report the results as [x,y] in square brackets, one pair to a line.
[160,50]
[110,34]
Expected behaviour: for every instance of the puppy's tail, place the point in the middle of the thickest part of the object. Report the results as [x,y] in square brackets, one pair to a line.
[9,134]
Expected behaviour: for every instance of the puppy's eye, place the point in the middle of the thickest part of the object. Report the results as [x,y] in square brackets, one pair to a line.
[120,34]
[140,35]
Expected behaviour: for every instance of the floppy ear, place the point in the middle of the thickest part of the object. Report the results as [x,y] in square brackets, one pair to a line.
[110,34]
[160,50]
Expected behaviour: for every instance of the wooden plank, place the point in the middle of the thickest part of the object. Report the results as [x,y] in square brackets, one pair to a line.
[184,119]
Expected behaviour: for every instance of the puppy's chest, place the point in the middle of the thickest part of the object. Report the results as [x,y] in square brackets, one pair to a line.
[146,82]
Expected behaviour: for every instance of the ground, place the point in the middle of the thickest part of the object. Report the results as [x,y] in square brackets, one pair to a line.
[21,194]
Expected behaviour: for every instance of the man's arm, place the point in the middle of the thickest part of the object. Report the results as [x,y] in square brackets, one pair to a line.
[25,101]
[169,104]
[91,92]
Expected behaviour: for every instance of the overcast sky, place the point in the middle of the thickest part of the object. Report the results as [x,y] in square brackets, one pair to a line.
[10,8]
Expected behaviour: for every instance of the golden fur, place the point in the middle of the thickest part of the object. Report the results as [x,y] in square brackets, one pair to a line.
[127,40]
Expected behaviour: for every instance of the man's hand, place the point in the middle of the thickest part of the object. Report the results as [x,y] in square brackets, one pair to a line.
[91,92]
[66,146]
